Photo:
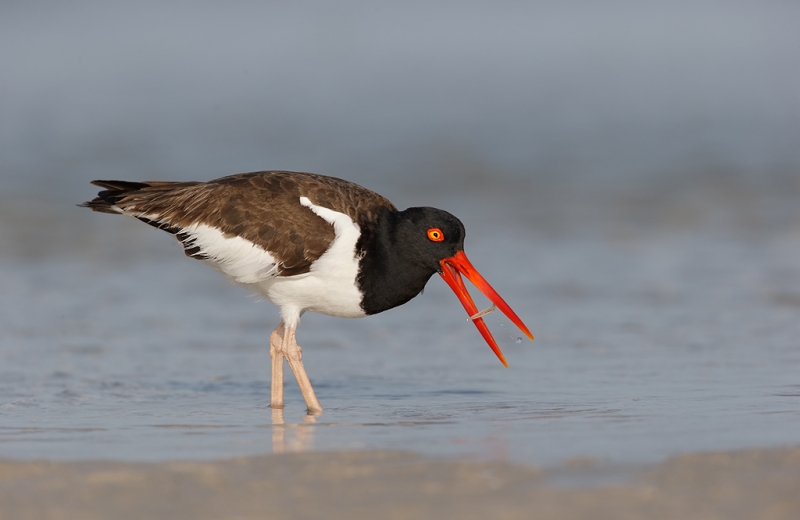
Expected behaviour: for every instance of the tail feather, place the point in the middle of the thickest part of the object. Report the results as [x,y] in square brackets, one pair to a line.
[131,186]
[106,200]
[157,197]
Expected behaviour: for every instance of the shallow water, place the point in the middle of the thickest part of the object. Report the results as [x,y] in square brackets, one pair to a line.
[645,348]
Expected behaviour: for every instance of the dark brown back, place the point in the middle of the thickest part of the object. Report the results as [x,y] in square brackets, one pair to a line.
[262,207]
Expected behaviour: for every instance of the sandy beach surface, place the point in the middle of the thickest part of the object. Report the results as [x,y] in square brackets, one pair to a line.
[748,484]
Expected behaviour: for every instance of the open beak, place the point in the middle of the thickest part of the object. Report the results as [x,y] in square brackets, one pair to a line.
[452,269]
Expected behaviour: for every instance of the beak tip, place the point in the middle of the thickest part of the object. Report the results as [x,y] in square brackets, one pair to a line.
[501,357]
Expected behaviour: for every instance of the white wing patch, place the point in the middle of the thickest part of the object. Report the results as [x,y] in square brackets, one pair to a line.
[234,256]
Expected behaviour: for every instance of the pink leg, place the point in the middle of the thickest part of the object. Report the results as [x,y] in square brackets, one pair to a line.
[294,355]
[276,352]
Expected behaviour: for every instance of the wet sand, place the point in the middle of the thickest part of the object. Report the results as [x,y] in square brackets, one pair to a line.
[760,484]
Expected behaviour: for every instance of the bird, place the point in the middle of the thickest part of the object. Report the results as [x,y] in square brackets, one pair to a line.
[308,243]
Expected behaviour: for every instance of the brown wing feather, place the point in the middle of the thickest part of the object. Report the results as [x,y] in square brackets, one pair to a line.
[262,207]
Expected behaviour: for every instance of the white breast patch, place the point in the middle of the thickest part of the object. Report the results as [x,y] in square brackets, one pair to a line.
[330,287]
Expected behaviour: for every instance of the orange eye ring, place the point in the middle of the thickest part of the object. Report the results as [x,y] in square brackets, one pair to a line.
[435,235]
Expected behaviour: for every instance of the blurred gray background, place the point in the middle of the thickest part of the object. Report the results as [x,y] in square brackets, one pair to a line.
[558,117]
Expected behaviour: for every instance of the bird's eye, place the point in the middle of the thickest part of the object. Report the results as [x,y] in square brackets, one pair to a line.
[435,234]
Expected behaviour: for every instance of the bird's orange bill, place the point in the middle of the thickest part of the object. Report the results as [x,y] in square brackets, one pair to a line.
[452,269]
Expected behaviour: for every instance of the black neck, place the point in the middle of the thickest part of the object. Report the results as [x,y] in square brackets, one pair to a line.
[388,275]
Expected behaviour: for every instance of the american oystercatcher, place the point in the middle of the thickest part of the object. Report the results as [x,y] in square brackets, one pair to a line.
[308,242]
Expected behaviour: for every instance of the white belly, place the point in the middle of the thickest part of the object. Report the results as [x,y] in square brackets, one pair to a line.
[322,292]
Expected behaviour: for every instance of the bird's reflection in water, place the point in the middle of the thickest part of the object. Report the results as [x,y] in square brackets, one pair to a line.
[287,438]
